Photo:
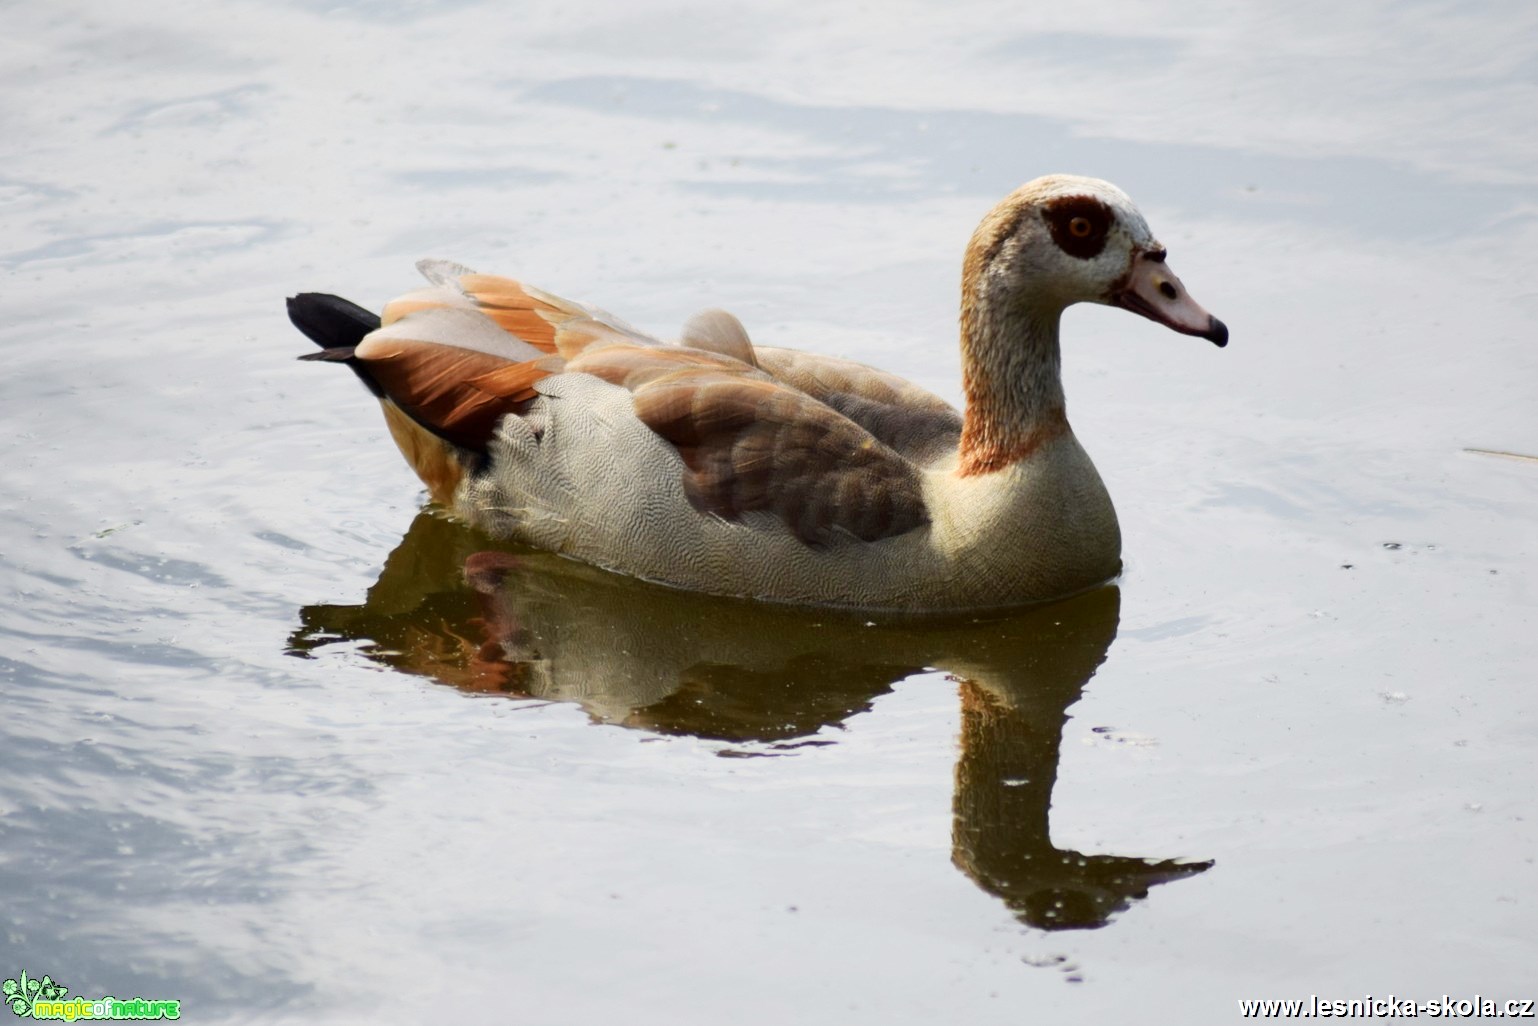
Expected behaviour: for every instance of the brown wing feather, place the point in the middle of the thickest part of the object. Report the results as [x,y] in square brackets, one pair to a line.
[504,301]
[751,444]
[514,310]
[914,422]
[458,394]
[441,358]
[633,366]
[546,322]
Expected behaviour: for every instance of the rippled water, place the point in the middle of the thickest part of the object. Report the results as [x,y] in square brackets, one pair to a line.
[272,747]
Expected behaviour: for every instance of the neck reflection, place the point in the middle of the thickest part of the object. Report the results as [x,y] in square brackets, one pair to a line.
[537,626]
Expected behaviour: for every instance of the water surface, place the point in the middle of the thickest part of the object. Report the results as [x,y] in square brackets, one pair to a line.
[271,748]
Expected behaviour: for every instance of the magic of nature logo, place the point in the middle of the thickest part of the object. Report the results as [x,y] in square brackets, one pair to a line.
[44,999]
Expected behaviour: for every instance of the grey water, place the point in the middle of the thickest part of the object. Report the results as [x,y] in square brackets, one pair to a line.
[281,745]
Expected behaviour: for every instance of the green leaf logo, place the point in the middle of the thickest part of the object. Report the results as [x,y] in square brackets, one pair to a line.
[23,993]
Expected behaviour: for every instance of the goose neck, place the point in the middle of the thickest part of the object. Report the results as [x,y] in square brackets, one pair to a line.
[1012,379]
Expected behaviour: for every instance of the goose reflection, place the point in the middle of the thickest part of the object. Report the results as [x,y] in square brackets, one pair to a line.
[534,625]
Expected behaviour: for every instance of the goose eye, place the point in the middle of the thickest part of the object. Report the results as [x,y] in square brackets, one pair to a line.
[1080,225]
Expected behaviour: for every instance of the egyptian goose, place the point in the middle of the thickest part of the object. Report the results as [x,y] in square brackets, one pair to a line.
[721,466]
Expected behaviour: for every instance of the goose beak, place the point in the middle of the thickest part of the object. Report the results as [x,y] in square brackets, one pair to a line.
[1150,288]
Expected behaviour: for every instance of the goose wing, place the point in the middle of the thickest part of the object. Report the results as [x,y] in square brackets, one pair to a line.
[471,349]
[911,420]
[750,443]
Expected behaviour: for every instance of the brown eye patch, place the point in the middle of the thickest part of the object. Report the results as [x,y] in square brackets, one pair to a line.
[1079,225]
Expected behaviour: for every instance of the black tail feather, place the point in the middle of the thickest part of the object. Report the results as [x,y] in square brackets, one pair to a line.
[340,354]
[330,321]
[337,326]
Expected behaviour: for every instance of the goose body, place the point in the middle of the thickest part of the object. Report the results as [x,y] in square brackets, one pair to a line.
[716,465]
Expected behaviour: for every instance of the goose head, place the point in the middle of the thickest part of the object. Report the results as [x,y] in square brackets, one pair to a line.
[1065,239]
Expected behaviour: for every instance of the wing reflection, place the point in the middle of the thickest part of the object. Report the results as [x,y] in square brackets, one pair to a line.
[534,625]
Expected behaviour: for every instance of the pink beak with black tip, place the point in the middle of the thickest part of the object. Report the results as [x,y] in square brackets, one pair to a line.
[1151,289]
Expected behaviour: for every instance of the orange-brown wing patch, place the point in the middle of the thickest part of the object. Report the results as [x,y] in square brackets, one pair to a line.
[514,382]
[509,304]
[579,335]
[534,318]
[751,444]
[422,299]
[458,394]
[633,366]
